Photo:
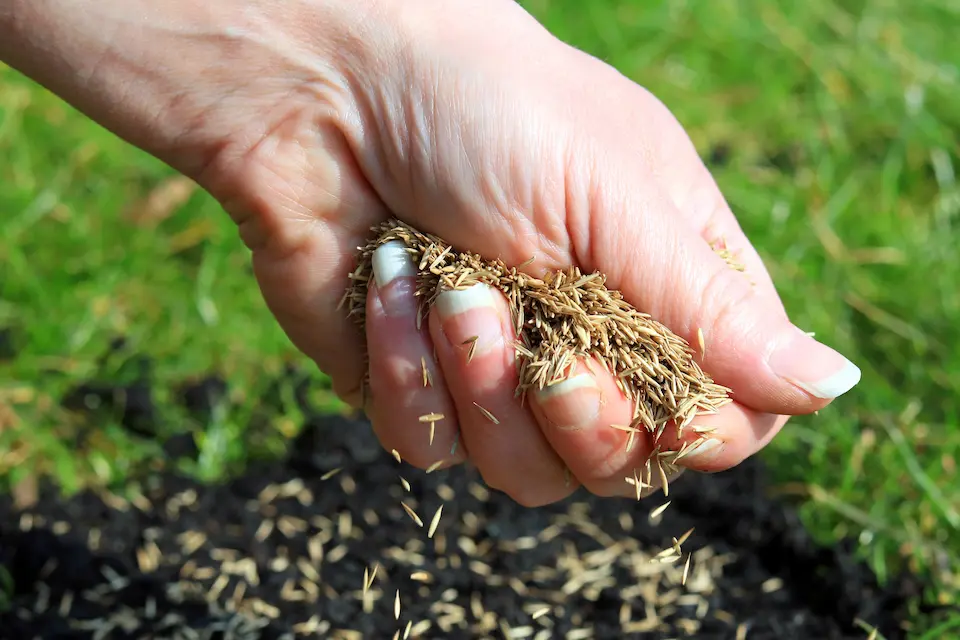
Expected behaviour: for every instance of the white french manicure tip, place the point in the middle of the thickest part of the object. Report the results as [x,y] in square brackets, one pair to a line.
[835,385]
[391,261]
[456,301]
[579,381]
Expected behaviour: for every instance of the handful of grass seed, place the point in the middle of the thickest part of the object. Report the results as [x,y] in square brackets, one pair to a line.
[559,319]
[564,316]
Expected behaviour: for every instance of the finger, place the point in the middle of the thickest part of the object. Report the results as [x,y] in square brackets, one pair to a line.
[473,335]
[303,206]
[412,410]
[716,442]
[587,419]
[752,347]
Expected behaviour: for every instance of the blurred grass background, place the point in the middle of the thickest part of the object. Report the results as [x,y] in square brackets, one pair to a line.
[833,128]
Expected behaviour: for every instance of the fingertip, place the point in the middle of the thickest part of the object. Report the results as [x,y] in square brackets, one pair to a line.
[813,367]
[587,419]
[573,403]
[721,441]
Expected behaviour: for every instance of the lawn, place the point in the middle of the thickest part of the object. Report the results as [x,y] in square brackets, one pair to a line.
[832,127]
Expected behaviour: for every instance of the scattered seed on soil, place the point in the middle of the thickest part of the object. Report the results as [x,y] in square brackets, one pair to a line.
[396,605]
[486,414]
[396,455]
[494,563]
[404,484]
[539,613]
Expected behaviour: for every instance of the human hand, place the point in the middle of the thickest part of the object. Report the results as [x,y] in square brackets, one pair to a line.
[312,121]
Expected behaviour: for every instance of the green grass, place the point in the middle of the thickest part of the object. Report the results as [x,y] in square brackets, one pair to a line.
[839,123]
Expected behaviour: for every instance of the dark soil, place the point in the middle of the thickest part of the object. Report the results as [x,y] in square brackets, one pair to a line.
[282,551]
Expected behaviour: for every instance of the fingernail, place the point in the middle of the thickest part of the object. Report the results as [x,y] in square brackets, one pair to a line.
[393,271]
[706,447]
[814,367]
[470,319]
[571,404]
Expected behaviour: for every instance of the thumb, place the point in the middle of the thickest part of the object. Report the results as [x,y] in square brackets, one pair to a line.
[750,345]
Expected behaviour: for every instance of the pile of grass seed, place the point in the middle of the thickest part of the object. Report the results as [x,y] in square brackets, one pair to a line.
[563,317]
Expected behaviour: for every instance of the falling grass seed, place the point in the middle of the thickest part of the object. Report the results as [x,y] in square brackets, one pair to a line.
[664,481]
[413,514]
[656,513]
[435,522]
